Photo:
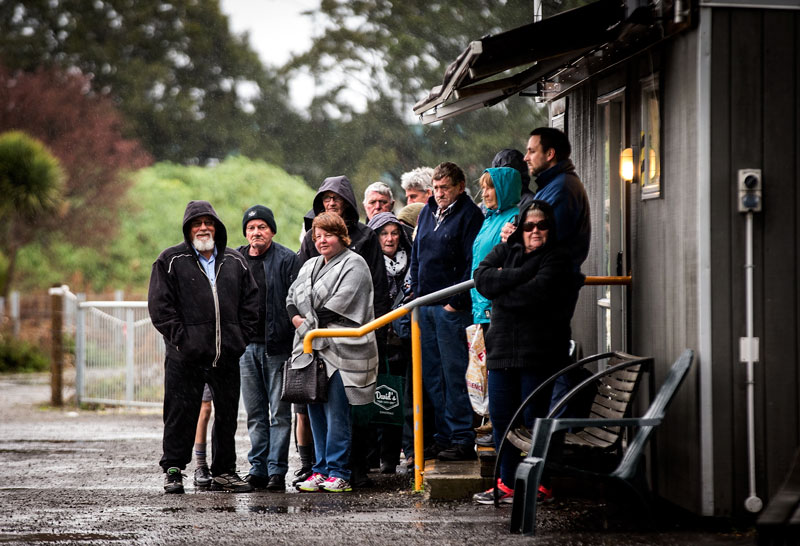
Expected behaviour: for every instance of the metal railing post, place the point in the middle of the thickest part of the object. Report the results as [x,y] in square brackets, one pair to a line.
[80,354]
[129,371]
[416,384]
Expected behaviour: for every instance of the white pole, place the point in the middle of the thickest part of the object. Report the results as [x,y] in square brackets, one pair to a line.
[752,503]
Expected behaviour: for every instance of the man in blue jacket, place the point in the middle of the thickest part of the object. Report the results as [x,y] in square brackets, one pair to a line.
[547,155]
[441,257]
[269,419]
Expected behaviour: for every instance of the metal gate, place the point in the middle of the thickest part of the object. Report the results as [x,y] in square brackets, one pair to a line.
[119,355]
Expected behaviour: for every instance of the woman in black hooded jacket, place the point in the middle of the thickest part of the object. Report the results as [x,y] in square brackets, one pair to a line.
[531,283]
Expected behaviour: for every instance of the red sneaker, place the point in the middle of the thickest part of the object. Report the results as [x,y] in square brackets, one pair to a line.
[505,495]
[544,495]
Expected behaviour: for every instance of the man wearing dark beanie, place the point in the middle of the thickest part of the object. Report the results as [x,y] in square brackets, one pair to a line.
[274,268]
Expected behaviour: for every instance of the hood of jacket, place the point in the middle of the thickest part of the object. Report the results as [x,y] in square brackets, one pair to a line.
[510,157]
[340,185]
[204,208]
[383,218]
[507,188]
[552,233]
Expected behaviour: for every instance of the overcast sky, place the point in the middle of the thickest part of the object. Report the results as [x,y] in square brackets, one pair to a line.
[277,30]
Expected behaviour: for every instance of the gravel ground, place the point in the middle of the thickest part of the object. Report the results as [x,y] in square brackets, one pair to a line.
[91,477]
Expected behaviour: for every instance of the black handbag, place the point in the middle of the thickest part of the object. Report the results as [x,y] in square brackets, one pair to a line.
[307,384]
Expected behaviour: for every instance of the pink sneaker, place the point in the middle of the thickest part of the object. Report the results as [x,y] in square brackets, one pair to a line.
[312,483]
[336,485]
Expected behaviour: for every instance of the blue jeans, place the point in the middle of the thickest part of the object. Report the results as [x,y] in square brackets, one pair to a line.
[330,425]
[508,387]
[444,365]
[268,418]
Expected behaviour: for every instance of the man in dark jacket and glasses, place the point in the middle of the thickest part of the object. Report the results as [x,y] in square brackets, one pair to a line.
[203,300]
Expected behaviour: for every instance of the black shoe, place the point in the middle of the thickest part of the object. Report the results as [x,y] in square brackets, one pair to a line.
[360,480]
[277,482]
[389,468]
[432,451]
[173,480]
[301,475]
[257,482]
[458,452]
[202,477]
[231,482]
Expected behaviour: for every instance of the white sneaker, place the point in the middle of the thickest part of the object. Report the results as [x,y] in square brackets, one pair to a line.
[312,483]
[336,485]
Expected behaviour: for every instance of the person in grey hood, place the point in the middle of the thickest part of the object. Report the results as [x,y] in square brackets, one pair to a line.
[336,195]
[203,300]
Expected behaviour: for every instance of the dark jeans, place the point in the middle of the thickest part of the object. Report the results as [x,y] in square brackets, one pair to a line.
[183,393]
[444,365]
[508,387]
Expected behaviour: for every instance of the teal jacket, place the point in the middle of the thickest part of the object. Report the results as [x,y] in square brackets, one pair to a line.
[508,188]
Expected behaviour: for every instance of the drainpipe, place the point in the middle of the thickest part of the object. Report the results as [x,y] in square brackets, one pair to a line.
[749,185]
[748,350]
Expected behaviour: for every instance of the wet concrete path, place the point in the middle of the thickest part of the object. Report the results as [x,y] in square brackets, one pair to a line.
[92,478]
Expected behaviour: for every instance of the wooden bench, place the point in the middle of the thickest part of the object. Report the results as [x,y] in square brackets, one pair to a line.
[616,385]
[628,472]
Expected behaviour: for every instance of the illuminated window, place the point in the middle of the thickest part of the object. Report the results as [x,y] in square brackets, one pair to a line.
[650,155]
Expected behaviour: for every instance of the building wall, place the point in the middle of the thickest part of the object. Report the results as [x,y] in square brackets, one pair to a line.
[661,248]
[755,123]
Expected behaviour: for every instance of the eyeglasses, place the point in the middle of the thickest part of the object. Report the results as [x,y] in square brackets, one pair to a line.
[198,223]
[326,198]
[541,225]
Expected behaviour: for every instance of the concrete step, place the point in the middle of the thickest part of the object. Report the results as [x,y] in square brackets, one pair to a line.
[446,480]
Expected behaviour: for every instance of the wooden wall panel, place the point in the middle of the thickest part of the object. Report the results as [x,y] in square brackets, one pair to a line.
[778,412]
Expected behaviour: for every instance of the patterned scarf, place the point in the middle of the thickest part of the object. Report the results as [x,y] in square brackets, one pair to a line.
[394,267]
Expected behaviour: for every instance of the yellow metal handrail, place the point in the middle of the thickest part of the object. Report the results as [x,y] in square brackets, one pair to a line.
[416,350]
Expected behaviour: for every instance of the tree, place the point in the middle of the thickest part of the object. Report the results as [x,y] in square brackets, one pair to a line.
[403,48]
[84,131]
[31,183]
[150,220]
[191,90]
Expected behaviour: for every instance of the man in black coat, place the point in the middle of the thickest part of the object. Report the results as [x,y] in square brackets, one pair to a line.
[269,419]
[202,299]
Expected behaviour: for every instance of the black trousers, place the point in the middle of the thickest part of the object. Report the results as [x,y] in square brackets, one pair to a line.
[183,394]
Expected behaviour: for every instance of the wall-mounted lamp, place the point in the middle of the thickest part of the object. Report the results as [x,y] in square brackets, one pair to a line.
[626,164]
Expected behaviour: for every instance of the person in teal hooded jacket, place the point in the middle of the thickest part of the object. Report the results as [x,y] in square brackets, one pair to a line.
[501,189]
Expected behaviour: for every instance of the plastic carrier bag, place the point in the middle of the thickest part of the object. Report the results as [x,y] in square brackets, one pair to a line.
[477,378]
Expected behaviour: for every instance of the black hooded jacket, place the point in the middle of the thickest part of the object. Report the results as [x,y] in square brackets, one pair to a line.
[533,298]
[203,324]
[363,241]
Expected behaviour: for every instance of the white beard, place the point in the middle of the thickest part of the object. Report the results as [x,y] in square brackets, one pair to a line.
[203,245]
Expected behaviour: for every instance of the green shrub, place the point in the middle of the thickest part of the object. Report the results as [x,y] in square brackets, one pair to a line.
[21,356]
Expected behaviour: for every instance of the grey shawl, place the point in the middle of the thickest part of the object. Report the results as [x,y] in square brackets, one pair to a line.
[344,286]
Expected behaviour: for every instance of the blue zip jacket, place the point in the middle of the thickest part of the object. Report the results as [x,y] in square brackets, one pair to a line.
[442,257]
[508,188]
[560,187]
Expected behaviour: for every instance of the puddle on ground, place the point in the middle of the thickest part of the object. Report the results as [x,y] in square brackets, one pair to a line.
[62,538]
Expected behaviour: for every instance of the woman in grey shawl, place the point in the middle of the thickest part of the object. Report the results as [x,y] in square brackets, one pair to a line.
[334,290]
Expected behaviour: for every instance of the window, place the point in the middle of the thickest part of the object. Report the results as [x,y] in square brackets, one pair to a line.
[650,142]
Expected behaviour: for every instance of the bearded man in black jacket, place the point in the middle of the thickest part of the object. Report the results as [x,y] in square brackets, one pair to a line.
[203,300]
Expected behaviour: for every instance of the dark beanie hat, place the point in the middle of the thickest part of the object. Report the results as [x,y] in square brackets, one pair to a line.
[259,212]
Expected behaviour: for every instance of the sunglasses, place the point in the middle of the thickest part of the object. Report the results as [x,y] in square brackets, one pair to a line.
[543,225]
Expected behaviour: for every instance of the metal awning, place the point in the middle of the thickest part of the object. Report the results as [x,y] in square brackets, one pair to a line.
[553,55]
